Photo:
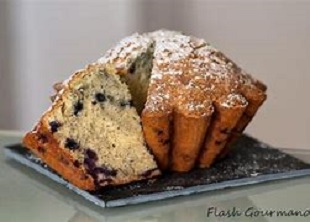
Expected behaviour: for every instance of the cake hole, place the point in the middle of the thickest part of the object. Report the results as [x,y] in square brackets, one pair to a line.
[76,163]
[42,138]
[159,132]
[218,142]
[132,68]
[78,107]
[41,149]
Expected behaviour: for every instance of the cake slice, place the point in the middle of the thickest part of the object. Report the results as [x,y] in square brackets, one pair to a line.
[92,134]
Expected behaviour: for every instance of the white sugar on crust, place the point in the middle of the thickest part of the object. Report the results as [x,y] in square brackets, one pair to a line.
[128,49]
[179,61]
[233,100]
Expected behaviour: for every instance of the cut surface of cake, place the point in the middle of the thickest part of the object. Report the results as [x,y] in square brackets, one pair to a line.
[92,134]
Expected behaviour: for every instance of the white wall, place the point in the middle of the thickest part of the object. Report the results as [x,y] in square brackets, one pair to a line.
[44,41]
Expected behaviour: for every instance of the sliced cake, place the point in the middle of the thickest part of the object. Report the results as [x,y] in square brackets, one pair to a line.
[92,134]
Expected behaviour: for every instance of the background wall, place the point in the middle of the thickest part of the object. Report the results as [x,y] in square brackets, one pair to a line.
[42,42]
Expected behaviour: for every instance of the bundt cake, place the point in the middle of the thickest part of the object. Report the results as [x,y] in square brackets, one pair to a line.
[193,102]
[92,134]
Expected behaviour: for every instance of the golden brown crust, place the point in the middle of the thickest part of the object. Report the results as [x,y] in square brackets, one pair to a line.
[188,137]
[157,130]
[224,120]
[43,145]
[191,121]
[183,68]
[255,99]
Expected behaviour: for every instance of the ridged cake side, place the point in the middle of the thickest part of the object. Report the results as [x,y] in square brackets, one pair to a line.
[204,97]
[198,101]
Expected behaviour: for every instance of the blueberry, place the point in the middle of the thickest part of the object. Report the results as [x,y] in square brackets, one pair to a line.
[78,107]
[160,132]
[89,164]
[126,103]
[71,144]
[91,154]
[100,97]
[105,171]
[54,125]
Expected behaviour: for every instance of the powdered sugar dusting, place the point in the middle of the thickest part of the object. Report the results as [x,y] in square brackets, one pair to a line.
[172,49]
[122,55]
[233,100]
[182,65]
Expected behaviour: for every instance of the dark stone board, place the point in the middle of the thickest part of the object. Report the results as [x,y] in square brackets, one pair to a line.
[249,162]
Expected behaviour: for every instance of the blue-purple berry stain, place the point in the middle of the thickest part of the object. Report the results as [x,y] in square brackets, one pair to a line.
[71,144]
[101,174]
[54,125]
[91,154]
[100,97]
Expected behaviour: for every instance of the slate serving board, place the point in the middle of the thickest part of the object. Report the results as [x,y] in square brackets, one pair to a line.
[250,162]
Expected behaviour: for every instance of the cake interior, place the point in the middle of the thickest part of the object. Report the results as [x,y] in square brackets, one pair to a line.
[98,124]
[138,78]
